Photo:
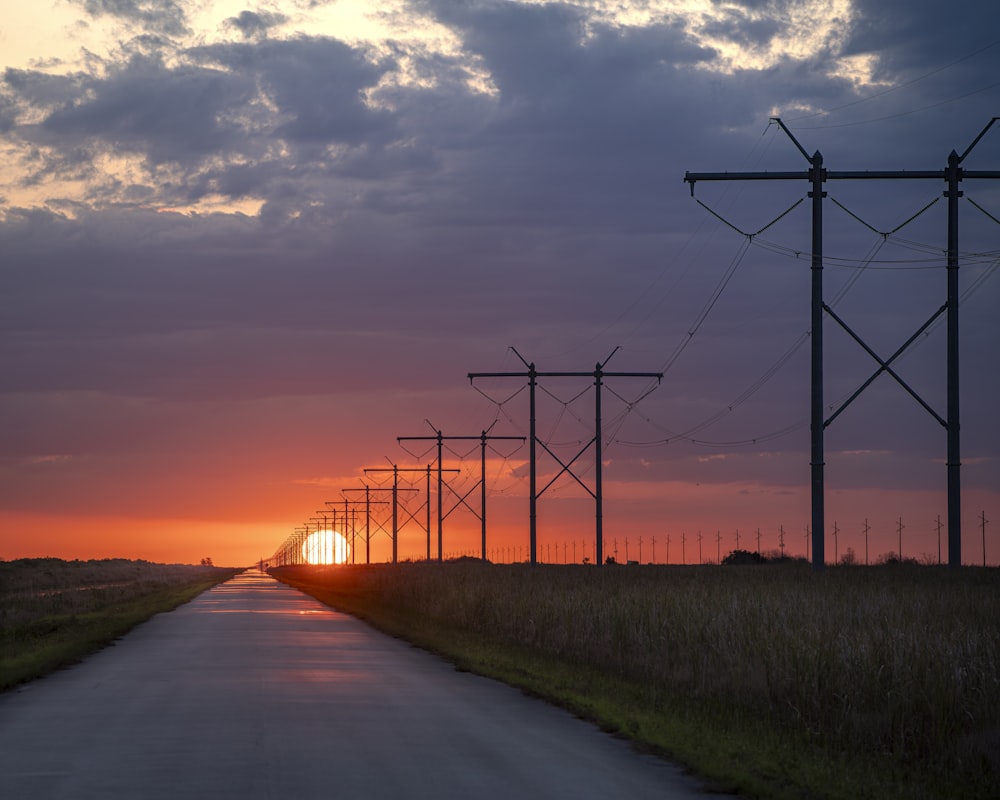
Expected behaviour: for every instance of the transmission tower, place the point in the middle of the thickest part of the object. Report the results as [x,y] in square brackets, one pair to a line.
[395,470]
[440,438]
[597,492]
[817,175]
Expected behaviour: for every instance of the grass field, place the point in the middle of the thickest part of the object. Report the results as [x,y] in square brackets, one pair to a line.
[770,680]
[54,612]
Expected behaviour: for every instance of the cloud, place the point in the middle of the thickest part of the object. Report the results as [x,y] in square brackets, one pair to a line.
[159,16]
[58,458]
[168,115]
[293,221]
[253,24]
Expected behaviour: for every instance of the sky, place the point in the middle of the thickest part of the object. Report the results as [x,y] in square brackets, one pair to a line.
[246,246]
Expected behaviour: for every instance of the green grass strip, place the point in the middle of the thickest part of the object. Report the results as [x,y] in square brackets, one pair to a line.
[729,750]
[40,646]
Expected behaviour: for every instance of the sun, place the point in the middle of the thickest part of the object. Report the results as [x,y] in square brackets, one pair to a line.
[325,547]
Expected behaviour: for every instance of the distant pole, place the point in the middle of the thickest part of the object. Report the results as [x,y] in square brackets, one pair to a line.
[982,525]
[598,467]
[598,442]
[368,516]
[807,542]
[684,547]
[395,469]
[758,541]
[781,540]
[440,497]
[439,437]
[718,547]
[953,175]
[395,513]
[866,540]
[939,537]
[899,531]
[836,543]
[701,560]
[483,492]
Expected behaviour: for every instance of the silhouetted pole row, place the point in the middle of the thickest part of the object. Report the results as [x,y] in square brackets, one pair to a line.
[953,174]
[440,438]
[349,515]
[368,516]
[395,470]
[597,493]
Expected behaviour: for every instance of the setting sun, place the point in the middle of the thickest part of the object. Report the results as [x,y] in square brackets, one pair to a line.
[325,547]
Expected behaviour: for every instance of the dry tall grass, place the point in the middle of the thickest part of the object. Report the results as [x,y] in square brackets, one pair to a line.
[35,588]
[896,660]
[54,612]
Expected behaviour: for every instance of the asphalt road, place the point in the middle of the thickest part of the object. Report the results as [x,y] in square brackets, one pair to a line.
[254,690]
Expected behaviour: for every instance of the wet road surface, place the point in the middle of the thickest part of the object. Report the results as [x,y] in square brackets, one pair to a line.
[255,690]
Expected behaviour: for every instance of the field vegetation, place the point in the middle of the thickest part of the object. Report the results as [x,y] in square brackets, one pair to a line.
[769,680]
[54,612]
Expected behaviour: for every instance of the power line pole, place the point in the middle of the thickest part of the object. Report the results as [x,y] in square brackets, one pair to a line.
[368,515]
[482,438]
[350,523]
[817,175]
[598,374]
[395,470]
[982,525]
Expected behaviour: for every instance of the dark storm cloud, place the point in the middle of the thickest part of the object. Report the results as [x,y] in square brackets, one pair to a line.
[251,23]
[168,114]
[736,27]
[158,16]
[577,127]
[318,82]
[190,120]
[551,216]
[41,91]
[923,35]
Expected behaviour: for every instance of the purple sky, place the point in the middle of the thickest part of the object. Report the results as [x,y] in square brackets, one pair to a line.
[245,247]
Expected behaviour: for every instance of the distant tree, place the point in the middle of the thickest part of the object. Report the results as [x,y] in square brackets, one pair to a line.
[892,558]
[207,562]
[610,560]
[849,559]
[744,557]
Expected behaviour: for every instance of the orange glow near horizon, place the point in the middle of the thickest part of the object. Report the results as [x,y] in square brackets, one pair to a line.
[325,547]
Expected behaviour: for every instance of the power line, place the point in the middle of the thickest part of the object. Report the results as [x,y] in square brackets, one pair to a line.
[898,87]
[598,374]
[817,175]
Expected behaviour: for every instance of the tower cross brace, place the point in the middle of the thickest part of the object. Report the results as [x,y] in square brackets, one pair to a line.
[440,438]
[953,174]
[598,374]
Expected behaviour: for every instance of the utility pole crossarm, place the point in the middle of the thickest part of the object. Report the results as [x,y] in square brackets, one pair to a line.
[953,174]
[440,438]
[598,374]
[693,177]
